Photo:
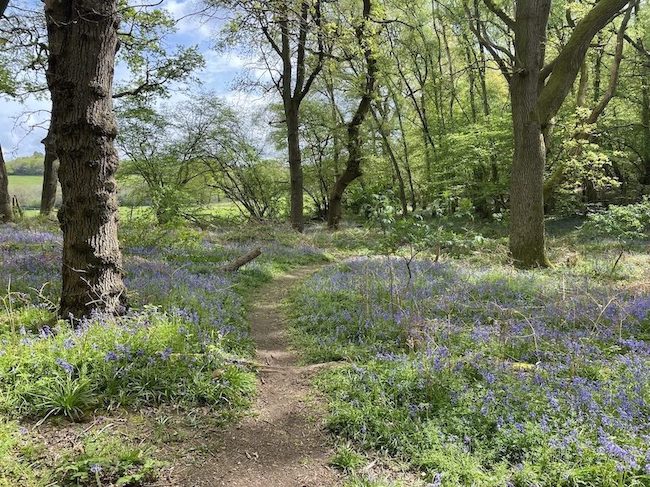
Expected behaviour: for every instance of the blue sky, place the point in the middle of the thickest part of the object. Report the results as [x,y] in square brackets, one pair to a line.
[23,125]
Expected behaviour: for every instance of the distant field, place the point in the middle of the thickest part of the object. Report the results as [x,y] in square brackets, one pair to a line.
[27,189]
[29,182]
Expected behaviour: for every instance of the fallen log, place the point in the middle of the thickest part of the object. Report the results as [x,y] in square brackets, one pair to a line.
[243,260]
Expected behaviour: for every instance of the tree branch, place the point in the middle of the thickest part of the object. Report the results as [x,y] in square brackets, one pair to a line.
[568,62]
[500,13]
[614,70]
[492,48]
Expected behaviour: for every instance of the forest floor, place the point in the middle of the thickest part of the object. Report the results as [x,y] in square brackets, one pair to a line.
[213,381]
[282,442]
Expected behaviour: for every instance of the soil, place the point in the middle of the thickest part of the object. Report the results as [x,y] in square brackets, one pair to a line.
[282,443]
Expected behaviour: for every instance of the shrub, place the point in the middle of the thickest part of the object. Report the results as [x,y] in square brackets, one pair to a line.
[623,223]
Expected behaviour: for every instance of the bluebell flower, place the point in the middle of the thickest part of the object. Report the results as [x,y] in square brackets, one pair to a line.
[110,356]
[69,369]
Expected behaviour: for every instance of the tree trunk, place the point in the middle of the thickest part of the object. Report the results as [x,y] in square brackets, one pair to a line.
[351,172]
[82,45]
[6,212]
[581,97]
[352,169]
[645,121]
[482,64]
[471,79]
[405,150]
[242,260]
[295,169]
[452,76]
[388,150]
[527,239]
[598,67]
[50,176]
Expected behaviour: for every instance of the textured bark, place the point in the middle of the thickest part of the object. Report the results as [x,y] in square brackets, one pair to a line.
[50,176]
[82,45]
[6,212]
[527,239]
[352,170]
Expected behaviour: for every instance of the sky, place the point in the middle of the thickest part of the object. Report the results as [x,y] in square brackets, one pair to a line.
[23,125]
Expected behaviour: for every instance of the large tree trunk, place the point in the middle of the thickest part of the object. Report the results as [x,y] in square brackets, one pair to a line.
[6,212]
[82,45]
[50,176]
[295,168]
[534,104]
[527,245]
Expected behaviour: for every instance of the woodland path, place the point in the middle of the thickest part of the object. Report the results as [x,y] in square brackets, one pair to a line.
[282,443]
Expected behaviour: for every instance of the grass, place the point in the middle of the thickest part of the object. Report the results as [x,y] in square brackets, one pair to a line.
[467,373]
[472,373]
[27,189]
[182,350]
[31,183]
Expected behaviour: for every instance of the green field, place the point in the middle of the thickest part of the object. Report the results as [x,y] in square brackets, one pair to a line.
[27,189]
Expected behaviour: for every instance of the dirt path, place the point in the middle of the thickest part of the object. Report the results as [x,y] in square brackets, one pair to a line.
[282,444]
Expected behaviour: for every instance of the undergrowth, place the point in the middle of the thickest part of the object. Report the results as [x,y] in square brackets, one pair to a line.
[483,375]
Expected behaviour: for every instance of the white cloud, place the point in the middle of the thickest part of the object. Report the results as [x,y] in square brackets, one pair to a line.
[192,24]
[24,125]
[220,75]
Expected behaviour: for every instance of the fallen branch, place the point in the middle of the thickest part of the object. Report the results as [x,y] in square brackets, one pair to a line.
[243,260]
